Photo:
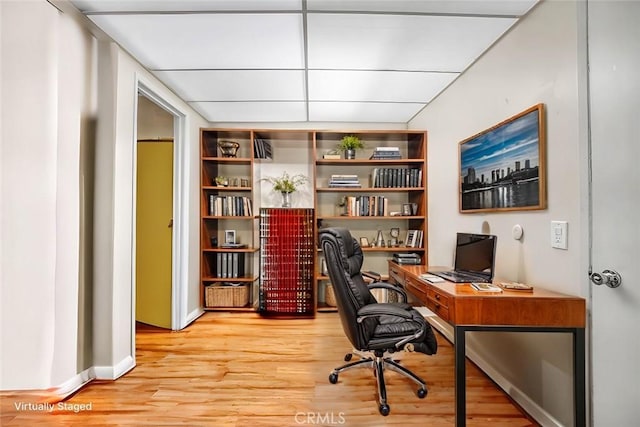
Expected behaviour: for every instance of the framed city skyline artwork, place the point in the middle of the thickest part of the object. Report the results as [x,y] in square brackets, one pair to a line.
[503,168]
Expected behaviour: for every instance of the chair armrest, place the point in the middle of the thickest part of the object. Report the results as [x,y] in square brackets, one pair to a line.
[389,286]
[376,310]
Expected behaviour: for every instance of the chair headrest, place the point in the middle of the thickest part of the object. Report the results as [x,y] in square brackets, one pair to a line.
[348,247]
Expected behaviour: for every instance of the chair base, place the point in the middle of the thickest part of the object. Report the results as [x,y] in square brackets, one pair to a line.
[379,362]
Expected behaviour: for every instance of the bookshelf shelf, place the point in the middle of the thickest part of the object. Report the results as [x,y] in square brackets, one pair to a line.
[365,217]
[366,189]
[246,279]
[224,189]
[245,217]
[368,162]
[228,160]
[243,250]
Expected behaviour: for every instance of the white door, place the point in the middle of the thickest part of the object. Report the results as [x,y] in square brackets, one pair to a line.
[614,59]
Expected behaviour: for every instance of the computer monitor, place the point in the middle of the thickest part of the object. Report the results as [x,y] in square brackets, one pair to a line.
[475,253]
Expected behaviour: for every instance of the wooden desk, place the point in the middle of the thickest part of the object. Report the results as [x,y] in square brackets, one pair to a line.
[512,311]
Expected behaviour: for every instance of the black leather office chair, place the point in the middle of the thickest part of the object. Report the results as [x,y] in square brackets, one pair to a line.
[377,329]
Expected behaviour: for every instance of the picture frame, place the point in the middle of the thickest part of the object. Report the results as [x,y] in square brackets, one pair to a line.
[503,168]
[230,237]
[409,241]
[364,242]
[406,209]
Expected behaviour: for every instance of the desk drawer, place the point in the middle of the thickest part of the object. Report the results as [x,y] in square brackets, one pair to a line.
[438,303]
[440,310]
[416,288]
[395,275]
[438,297]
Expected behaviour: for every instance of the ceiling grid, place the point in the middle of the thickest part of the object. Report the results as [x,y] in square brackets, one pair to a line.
[306,60]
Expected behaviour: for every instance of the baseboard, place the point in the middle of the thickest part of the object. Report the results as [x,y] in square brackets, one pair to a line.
[114,372]
[73,384]
[191,317]
[529,406]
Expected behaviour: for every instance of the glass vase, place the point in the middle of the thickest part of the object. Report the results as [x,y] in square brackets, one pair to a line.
[286,200]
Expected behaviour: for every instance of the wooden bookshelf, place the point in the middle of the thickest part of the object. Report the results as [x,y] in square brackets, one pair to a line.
[411,144]
[227,204]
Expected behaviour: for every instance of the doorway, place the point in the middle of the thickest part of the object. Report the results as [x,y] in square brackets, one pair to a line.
[154,214]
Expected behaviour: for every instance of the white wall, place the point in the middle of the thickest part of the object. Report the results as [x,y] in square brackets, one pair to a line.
[537,61]
[28,210]
[154,122]
[57,84]
[48,96]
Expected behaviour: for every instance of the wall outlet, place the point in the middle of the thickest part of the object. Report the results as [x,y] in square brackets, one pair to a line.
[559,234]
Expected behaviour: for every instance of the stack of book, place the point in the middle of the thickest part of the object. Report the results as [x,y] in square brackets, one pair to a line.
[405,258]
[382,153]
[331,155]
[340,181]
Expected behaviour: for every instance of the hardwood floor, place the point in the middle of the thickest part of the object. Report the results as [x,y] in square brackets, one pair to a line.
[239,369]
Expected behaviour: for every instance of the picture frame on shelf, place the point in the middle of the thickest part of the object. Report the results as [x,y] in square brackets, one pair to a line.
[364,242]
[410,239]
[407,209]
[230,237]
[503,168]
[414,239]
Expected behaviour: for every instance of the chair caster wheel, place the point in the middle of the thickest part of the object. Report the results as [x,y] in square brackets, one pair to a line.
[422,393]
[333,378]
[348,357]
[384,409]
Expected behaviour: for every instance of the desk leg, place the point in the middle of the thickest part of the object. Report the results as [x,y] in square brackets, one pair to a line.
[460,376]
[579,387]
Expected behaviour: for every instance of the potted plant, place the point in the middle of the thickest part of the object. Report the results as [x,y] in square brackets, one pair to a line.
[286,184]
[349,144]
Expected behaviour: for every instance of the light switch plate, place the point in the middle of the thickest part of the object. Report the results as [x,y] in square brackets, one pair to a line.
[559,234]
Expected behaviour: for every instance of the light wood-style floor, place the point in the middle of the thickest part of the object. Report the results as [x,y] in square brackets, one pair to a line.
[239,369]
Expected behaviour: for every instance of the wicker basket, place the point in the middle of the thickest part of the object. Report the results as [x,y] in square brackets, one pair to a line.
[329,296]
[221,295]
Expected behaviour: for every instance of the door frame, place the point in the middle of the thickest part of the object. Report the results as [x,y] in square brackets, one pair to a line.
[179,240]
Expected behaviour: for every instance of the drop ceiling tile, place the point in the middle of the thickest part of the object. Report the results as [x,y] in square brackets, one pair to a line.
[236,85]
[481,7]
[209,41]
[90,6]
[399,42]
[252,111]
[377,112]
[358,85]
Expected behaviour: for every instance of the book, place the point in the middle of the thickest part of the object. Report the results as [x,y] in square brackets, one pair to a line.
[431,278]
[486,287]
[331,156]
[406,255]
[262,149]
[515,286]
[407,261]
